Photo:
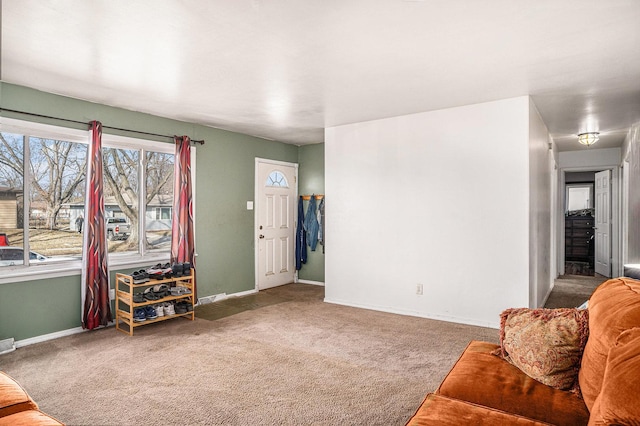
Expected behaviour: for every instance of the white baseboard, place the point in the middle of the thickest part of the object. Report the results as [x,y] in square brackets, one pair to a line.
[77,330]
[50,336]
[310,282]
[55,335]
[458,320]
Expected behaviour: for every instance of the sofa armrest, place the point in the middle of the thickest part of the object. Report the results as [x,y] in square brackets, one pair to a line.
[29,418]
[443,411]
[13,398]
[487,380]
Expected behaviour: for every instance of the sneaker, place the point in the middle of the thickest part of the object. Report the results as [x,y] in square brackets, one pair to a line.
[179,290]
[181,308]
[186,269]
[168,309]
[167,270]
[139,315]
[156,272]
[150,313]
[177,269]
[159,309]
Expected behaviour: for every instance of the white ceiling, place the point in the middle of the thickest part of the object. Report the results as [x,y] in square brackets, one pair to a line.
[286,69]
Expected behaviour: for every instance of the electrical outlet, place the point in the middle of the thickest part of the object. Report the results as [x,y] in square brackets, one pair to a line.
[112,294]
[419,289]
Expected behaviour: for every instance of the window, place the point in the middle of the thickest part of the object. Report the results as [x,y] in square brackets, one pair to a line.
[579,196]
[277,179]
[42,185]
[159,190]
[37,190]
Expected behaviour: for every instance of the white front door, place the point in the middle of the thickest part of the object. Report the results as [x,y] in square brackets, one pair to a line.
[276,190]
[602,249]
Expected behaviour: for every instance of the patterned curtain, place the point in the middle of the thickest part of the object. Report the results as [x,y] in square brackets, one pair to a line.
[182,243]
[95,273]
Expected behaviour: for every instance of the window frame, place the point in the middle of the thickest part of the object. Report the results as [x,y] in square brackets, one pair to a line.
[27,272]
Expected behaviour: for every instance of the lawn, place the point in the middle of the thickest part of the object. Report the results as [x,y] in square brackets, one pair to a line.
[69,243]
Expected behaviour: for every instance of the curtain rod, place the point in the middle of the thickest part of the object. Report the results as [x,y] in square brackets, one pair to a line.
[201,142]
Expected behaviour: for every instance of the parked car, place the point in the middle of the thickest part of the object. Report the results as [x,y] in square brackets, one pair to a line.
[118,228]
[11,256]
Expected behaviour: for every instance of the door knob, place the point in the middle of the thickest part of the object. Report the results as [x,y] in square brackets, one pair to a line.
[261,236]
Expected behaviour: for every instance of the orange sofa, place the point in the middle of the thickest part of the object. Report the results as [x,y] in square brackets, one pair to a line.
[484,389]
[17,408]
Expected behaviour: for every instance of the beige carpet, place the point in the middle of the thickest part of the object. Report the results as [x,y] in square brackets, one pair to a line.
[296,361]
[570,291]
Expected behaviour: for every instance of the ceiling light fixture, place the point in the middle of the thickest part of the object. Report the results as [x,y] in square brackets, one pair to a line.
[588,138]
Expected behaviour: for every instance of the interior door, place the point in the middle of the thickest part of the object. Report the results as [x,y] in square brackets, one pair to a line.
[602,249]
[276,190]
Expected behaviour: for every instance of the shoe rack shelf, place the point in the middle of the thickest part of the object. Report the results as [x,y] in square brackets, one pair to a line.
[125,306]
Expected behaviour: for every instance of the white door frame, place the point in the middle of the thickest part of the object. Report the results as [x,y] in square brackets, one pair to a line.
[256,231]
[616,222]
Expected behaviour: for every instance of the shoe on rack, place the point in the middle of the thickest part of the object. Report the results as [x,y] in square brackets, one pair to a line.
[169,309]
[167,270]
[186,269]
[139,315]
[179,290]
[161,290]
[150,295]
[159,309]
[150,312]
[177,269]
[138,298]
[181,308]
[155,272]
[140,276]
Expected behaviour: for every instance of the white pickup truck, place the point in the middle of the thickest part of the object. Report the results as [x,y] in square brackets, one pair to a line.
[118,228]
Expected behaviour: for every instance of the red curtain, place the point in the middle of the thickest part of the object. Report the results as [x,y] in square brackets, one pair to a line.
[182,243]
[95,274]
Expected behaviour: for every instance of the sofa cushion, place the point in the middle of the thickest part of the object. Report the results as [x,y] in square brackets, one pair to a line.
[613,308]
[29,418]
[485,379]
[13,398]
[546,344]
[619,399]
[441,410]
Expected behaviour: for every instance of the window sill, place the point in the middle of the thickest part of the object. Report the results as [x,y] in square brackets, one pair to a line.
[14,274]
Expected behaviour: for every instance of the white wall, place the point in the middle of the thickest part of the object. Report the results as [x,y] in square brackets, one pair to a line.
[632,156]
[438,198]
[540,202]
[590,158]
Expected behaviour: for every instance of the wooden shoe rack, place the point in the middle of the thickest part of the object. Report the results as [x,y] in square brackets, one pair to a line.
[125,306]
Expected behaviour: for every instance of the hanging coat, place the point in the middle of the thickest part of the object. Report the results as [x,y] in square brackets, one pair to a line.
[301,238]
[321,231]
[311,224]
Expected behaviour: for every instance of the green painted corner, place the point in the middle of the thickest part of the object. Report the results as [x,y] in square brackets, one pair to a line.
[311,181]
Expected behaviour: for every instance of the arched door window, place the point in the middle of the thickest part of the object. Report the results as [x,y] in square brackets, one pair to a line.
[276,179]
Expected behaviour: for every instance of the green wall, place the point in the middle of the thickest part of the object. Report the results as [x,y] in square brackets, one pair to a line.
[311,181]
[225,167]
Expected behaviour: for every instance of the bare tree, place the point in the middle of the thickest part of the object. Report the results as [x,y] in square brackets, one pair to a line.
[121,177]
[57,169]
[11,160]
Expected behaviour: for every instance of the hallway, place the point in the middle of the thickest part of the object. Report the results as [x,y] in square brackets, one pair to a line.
[571,291]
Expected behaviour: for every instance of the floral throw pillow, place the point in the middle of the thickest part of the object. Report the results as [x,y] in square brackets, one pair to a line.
[545,344]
